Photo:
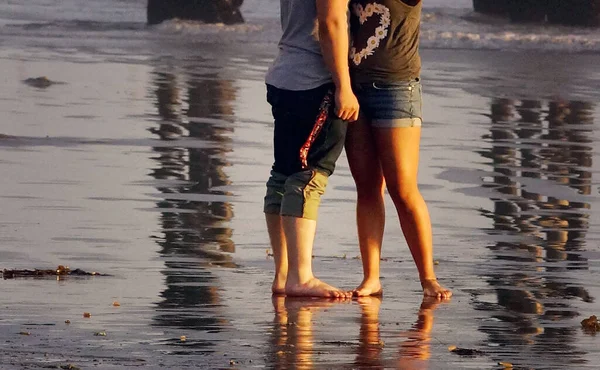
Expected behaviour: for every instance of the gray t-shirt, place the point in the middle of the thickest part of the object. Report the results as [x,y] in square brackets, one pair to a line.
[299,64]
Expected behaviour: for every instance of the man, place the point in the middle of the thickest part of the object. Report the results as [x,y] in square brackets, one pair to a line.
[308,87]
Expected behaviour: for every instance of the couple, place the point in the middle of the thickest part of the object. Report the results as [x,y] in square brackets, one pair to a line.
[314,87]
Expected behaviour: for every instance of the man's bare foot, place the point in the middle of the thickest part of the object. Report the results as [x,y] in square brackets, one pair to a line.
[367,288]
[278,286]
[431,288]
[315,288]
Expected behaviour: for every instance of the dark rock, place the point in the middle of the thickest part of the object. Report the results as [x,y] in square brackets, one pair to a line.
[40,82]
[208,11]
[466,352]
[523,11]
[490,6]
[590,325]
[574,12]
[567,12]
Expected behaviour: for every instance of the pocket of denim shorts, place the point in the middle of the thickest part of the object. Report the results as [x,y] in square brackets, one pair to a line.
[398,86]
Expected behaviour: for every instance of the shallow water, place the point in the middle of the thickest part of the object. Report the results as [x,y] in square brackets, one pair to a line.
[149,163]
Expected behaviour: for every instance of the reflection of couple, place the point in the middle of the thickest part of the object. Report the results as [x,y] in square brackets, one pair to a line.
[315,88]
[293,341]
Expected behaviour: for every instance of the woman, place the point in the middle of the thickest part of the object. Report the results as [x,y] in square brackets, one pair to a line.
[383,145]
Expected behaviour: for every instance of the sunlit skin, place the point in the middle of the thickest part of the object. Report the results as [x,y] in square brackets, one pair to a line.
[292,244]
[381,158]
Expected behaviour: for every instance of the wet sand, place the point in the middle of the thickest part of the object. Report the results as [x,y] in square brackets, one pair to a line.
[152,169]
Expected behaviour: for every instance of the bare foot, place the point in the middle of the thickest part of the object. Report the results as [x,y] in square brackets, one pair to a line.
[315,288]
[431,288]
[368,288]
[278,287]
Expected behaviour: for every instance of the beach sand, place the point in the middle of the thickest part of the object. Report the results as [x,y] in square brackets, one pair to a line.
[152,168]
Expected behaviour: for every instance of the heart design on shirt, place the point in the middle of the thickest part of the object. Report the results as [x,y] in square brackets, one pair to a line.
[380,33]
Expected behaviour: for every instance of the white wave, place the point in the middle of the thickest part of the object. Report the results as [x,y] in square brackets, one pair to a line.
[509,41]
[465,29]
[200,28]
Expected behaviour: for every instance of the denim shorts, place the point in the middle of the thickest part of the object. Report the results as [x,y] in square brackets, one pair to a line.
[391,104]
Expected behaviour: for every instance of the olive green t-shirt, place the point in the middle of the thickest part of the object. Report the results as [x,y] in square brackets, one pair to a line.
[385,40]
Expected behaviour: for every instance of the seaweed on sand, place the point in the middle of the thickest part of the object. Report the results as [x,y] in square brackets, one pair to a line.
[40,273]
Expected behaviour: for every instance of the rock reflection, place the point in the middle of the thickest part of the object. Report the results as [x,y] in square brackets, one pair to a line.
[194,232]
[541,157]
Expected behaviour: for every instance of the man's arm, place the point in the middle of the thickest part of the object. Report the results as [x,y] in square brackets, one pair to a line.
[334,40]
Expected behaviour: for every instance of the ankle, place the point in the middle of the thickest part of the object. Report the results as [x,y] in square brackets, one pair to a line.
[371,279]
[298,279]
[428,280]
[281,274]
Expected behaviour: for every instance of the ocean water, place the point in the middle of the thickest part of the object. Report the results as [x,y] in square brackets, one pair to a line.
[114,24]
[147,160]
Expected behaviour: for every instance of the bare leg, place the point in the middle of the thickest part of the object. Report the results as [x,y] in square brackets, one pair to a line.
[279,247]
[399,157]
[299,235]
[370,210]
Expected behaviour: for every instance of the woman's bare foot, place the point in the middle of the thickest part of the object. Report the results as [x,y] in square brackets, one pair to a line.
[278,287]
[431,288]
[315,288]
[369,287]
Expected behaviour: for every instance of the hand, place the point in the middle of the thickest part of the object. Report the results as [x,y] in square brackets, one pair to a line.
[346,105]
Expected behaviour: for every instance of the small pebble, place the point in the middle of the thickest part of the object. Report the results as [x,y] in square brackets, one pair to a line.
[116,304]
[87,315]
[67,321]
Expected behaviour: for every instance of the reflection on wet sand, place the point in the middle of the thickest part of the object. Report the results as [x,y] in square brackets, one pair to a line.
[541,159]
[415,350]
[194,233]
[295,340]
[370,344]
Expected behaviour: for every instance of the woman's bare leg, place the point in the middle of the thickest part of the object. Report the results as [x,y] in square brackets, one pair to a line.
[399,157]
[370,211]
